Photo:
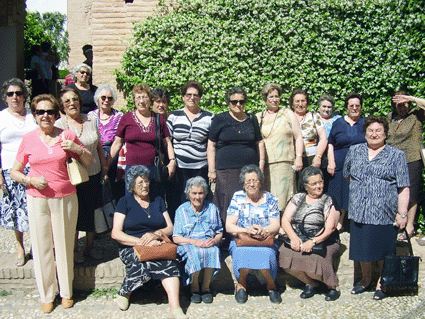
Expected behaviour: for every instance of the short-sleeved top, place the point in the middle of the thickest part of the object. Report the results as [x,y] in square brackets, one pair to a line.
[90,138]
[11,132]
[309,130]
[342,136]
[278,136]
[236,141]
[140,140]
[88,98]
[107,131]
[374,184]
[137,222]
[328,125]
[203,225]
[407,134]
[190,138]
[313,222]
[37,60]
[49,162]
[249,214]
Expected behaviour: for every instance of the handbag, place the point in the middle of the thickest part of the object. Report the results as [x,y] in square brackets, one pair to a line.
[104,215]
[160,173]
[76,171]
[166,251]
[244,239]
[401,272]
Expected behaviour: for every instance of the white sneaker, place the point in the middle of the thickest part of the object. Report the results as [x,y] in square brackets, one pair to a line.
[123,302]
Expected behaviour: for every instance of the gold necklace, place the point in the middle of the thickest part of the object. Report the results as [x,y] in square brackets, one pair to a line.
[82,126]
[146,210]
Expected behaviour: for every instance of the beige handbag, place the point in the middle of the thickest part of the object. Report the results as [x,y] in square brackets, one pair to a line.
[76,171]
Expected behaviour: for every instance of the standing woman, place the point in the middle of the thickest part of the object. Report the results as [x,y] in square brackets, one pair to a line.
[81,75]
[234,141]
[346,131]
[379,197]
[40,83]
[279,129]
[52,202]
[406,134]
[189,129]
[89,193]
[312,130]
[15,121]
[161,101]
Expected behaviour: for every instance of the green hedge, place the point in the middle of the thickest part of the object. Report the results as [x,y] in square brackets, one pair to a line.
[336,47]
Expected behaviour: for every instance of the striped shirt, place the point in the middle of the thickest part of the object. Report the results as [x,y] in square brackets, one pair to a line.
[190,138]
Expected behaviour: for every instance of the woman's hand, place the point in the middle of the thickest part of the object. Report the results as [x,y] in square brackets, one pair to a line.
[2,183]
[210,243]
[307,246]
[171,169]
[331,168]
[212,176]
[400,221]
[38,182]
[317,161]
[147,238]
[298,163]
[257,230]
[296,244]
[154,243]
[71,146]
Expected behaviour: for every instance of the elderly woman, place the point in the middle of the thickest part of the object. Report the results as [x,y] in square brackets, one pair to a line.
[15,121]
[140,220]
[379,197]
[107,121]
[326,112]
[313,213]
[283,141]
[198,232]
[405,133]
[52,202]
[137,130]
[81,75]
[255,212]
[189,129]
[234,141]
[89,193]
[312,131]
[346,131]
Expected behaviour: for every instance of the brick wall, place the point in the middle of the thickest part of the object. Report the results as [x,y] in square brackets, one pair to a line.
[107,25]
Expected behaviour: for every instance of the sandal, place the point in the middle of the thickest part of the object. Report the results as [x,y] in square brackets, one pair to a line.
[20,260]
[379,295]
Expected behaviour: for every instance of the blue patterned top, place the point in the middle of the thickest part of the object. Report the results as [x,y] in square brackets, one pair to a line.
[204,225]
[328,125]
[374,184]
[249,214]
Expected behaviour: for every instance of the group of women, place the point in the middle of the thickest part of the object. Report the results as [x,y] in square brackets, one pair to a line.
[255,161]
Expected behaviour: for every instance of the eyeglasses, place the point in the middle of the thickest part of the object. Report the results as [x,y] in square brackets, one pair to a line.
[252,181]
[189,96]
[274,97]
[42,112]
[110,98]
[142,98]
[235,102]
[85,72]
[68,101]
[18,93]
[316,183]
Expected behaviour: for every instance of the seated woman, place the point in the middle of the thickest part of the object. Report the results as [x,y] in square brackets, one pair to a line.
[198,231]
[255,212]
[139,220]
[298,260]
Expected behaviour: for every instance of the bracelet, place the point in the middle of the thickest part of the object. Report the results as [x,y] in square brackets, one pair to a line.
[314,241]
[262,161]
[82,152]
[402,216]
[172,159]
[299,155]
[319,156]
[212,170]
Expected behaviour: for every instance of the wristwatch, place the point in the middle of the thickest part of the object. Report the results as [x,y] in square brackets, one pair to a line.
[314,241]
[402,216]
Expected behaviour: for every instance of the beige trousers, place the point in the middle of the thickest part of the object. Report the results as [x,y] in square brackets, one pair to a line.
[52,225]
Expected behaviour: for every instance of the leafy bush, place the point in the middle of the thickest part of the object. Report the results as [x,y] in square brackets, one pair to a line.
[336,47]
[63,73]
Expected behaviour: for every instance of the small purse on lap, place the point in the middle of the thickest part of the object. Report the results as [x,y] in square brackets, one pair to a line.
[166,251]
[245,239]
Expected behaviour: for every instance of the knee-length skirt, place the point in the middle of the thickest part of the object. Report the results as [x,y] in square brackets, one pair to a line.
[280,181]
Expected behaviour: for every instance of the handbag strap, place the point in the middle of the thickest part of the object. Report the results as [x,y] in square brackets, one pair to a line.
[409,244]
[157,135]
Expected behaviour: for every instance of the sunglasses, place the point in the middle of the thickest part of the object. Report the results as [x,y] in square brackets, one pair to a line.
[235,102]
[85,72]
[110,98]
[42,112]
[18,93]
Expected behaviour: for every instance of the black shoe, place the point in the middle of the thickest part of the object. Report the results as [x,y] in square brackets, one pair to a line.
[207,297]
[308,292]
[358,289]
[196,297]
[332,295]
[241,296]
[379,295]
[274,296]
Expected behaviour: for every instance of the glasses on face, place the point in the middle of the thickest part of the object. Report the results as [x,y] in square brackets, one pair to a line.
[142,98]
[316,183]
[252,181]
[110,98]
[189,96]
[85,72]
[18,93]
[68,101]
[354,106]
[273,97]
[235,102]
[40,112]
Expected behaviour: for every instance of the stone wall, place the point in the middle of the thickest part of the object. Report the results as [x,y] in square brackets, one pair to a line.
[107,25]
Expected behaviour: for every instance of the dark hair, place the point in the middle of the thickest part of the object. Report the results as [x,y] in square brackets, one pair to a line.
[87,47]
[65,90]
[192,84]
[14,82]
[298,91]
[45,97]
[268,88]
[140,88]
[376,119]
[394,105]
[353,96]
[309,172]
[46,46]
[161,93]
[235,90]
[35,48]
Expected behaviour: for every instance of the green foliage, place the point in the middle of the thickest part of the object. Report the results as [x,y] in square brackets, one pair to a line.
[104,292]
[63,73]
[337,47]
[4,293]
[49,26]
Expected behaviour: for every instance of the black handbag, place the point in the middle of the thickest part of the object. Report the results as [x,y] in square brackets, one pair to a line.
[400,272]
[160,174]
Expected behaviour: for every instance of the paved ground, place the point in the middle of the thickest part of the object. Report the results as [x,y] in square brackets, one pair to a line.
[150,302]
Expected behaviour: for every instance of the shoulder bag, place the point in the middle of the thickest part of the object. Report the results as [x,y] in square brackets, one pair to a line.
[160,174]
[166,251]
[76,171]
